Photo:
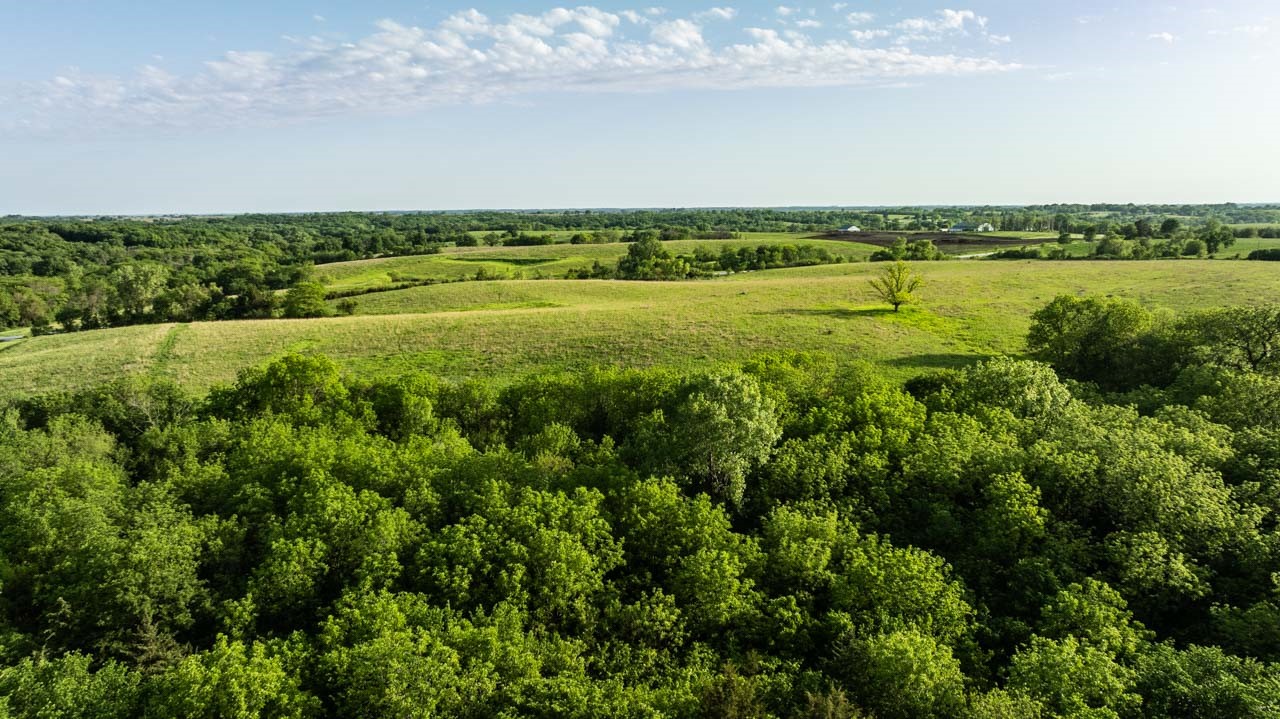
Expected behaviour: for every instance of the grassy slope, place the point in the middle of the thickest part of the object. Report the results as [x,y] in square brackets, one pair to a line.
[503,329]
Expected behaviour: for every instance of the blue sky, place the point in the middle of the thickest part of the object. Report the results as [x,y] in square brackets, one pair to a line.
[150,107]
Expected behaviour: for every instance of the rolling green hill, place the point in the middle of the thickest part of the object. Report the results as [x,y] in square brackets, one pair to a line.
[510,328]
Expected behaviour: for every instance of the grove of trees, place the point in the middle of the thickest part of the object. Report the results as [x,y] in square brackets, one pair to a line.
[648,259]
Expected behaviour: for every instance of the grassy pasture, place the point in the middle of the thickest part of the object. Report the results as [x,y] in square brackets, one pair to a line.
[1244,246]
[501,330]
[1074,248]
[1023,235]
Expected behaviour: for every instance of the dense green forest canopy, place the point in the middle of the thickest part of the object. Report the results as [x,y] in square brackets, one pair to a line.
[1089,535]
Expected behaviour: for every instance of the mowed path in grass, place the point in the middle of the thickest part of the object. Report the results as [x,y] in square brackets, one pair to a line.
[501,330]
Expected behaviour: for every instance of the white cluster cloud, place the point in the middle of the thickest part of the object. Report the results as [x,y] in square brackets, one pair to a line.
[680,34]
[868,35]
[470,57]
[942,24]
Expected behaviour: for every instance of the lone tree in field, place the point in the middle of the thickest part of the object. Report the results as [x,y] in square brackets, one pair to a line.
[896,284]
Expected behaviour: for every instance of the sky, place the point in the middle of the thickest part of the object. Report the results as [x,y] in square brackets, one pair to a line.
[148,107]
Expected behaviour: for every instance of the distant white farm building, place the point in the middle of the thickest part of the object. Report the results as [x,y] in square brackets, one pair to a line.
[971,227]
[852,228]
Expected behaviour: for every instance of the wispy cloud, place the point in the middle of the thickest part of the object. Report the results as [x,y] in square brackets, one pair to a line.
[859,18]
[717,13]
[1251,30]
[1165,37]
[1083,73]
[472,58]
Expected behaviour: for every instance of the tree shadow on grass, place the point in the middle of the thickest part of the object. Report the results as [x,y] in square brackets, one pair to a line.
[943,360]
[838,313]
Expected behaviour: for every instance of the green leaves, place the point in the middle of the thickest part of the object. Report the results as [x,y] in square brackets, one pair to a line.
[1091,338]
[232,680]
[1074,679]
[722,429]
[546,551]
[306,299]
[903,674]
[69,687]
[306,389]
[648,259]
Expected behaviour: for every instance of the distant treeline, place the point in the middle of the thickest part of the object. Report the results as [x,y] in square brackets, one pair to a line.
[1143,240]
[513,238]
[102,272]
[649,259]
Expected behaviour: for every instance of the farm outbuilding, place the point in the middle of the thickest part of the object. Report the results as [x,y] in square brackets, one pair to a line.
[972,227]
[852,228]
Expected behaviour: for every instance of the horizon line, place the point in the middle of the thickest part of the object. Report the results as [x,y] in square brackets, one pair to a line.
[606,209]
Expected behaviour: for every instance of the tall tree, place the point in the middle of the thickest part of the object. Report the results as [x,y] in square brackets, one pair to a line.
[137,286]
[306,299]
[1215,235]
[724,428]
[896,284]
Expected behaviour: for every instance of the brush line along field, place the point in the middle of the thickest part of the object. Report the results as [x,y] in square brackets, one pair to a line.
[540,261]
[558,260]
